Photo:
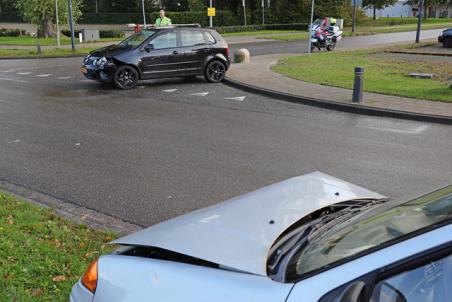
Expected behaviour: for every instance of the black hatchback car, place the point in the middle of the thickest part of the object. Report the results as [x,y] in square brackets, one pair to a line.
[160,53]
[446,38]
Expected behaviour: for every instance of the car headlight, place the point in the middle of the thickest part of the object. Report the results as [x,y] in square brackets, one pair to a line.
[101,62]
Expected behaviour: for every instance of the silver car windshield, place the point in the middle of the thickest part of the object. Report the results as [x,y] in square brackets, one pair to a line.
[136,39]
[347,240]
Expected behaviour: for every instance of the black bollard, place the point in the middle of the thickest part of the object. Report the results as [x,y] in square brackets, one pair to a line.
[358,85]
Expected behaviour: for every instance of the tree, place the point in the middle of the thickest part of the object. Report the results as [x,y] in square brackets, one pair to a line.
[377,4]
[42,13]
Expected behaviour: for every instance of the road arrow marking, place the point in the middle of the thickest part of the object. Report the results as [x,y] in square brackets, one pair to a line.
[238,98]
[43,75]
[200,94]
[170,90]
[23,73]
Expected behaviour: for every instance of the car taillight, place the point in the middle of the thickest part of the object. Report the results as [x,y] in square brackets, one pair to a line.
[89,279]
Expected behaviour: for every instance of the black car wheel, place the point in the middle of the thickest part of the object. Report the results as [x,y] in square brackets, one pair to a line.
[126,77]
[215,71]
[447,42]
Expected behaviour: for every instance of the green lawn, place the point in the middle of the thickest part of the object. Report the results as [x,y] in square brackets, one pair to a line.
[26,53]
[361,31]
[44,41]
[382,74]
[41,254]
[258,33]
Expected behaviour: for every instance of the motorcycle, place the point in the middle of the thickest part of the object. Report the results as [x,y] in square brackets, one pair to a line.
[324,36]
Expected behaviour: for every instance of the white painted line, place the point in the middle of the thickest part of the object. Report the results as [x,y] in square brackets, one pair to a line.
[200,94]
[9,70]
[238,98]
[392,126]
[63,78]
[85,81]
[13,80]
[170,90]
[15,142]
[23,73]
[271,64]
[43,75]
[77,144]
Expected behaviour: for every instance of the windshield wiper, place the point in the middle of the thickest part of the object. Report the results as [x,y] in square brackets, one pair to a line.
[301,236]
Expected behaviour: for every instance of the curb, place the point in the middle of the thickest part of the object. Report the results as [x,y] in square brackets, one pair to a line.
[421,53]
[343,107]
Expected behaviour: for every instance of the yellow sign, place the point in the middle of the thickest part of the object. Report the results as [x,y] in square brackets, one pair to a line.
[211,12]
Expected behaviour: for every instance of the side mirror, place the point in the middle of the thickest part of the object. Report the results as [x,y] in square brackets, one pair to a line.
[353,293]
[149,47]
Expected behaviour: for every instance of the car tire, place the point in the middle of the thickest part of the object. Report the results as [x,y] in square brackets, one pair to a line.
[215,71]
[126,77]
[447,42]
[330,47]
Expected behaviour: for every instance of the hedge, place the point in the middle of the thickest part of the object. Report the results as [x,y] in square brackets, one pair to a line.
[12,32]
[10,17]
[402,21]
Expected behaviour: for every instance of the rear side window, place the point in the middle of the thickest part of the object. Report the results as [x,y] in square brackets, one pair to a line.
[192,38]
[210,38]
[166,40]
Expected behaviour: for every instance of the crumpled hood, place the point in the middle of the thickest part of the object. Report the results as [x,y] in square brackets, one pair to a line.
[239,233]
[109,51]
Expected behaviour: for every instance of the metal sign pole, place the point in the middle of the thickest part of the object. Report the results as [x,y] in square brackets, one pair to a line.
[263,12]
[210,17]
[244,10]
[354,17]
[419,21]
[310,28]
[144,14]
[71,25]
[57,24]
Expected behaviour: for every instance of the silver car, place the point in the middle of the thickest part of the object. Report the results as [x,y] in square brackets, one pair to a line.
[313,238]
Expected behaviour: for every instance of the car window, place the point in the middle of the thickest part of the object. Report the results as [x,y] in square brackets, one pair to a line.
[166,40]
[428,283]
[346,240]
[210,38]
[192,38]
[137,38]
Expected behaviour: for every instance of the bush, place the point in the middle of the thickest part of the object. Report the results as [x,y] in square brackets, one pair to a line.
[12,32]
[67,33]
[10,17]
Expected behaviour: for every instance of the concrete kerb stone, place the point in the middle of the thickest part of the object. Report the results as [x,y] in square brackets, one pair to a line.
[343,107]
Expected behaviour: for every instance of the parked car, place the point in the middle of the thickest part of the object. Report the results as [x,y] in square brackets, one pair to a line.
[160,53]
[446,38]
[309,238]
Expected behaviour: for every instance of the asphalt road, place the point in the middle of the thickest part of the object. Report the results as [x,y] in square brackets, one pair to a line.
[169,147]
[348,43]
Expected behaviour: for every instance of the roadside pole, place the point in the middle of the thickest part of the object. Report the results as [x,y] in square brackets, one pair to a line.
[310,27]
[71,25]
[144,14]
[210,17]
[263,12]
[244,10]
[419,21]
[57,24]
[354,17]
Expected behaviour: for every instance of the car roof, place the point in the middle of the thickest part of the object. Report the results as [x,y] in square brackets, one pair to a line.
[240,232]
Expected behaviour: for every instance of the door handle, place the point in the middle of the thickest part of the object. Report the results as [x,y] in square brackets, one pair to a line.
[175,52]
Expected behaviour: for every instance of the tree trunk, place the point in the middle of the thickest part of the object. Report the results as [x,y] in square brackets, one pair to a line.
[375,13]
[46,29]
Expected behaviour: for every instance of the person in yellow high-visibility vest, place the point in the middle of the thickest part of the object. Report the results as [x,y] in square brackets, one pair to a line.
[162,21]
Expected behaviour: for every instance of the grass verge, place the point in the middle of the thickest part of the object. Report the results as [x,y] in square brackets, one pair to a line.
[30,41]
[41,254]
[384,73]
[27,53]
[363,31]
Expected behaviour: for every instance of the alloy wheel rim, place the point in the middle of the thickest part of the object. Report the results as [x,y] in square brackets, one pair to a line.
[216,71]
[126,78]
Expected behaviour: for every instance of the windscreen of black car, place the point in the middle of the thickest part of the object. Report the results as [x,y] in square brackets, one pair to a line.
[136,39]
[347,240]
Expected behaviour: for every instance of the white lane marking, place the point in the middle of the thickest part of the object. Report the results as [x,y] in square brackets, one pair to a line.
[43,75]
[77,144]
[271,64]
[200,94]
[85,81]
[13,80]
[170,90]
[27,68]
[392,126]
[63,78]
[238,98]
[23,73]
[9,70]
[14,142]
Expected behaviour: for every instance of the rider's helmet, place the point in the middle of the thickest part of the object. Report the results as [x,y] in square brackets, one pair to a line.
[332,21]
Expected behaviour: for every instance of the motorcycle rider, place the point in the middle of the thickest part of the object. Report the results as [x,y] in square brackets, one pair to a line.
[322,31]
